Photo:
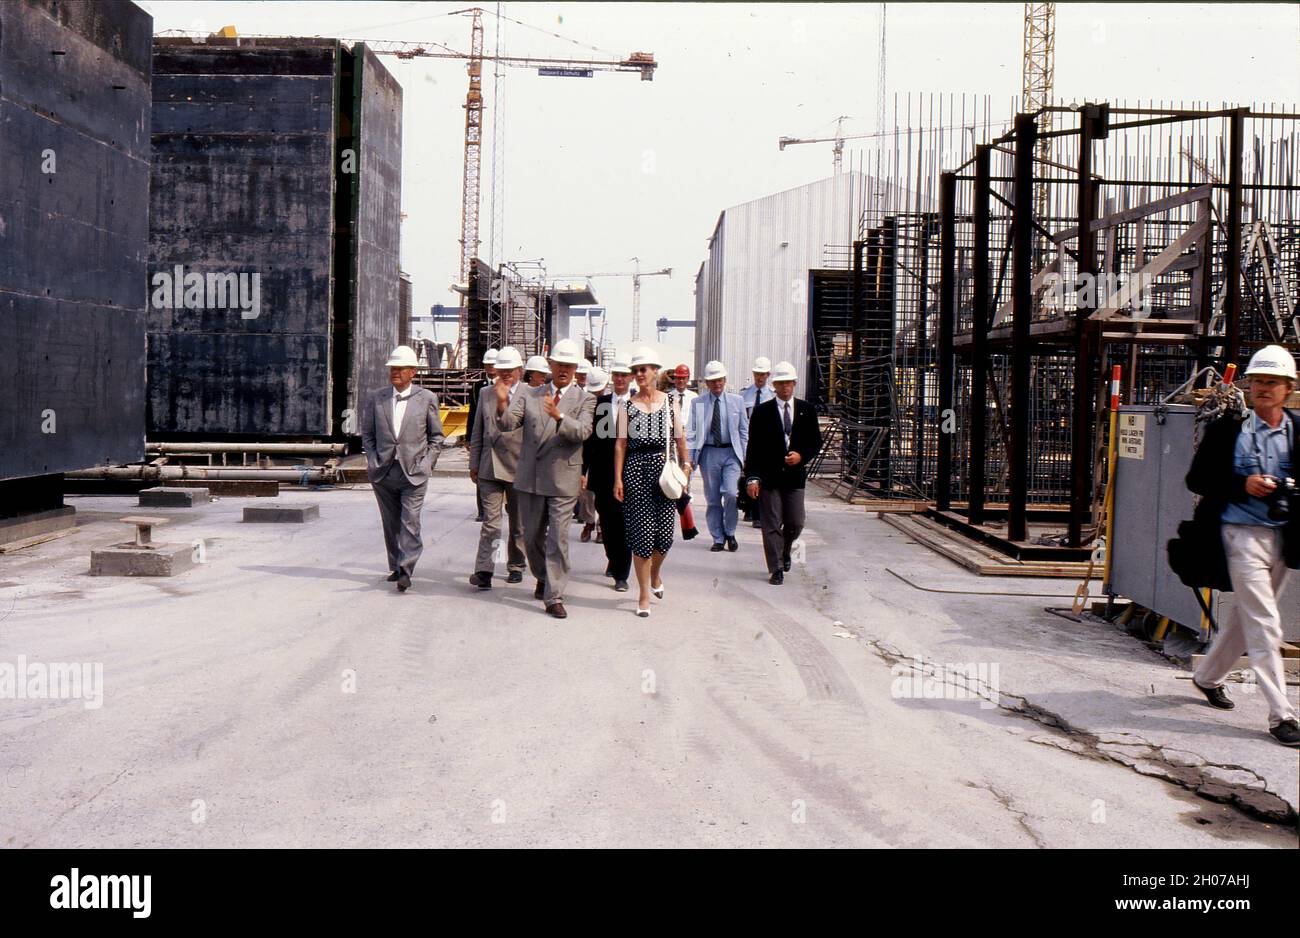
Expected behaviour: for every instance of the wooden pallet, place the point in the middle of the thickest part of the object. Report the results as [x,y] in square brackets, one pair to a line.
[976,557]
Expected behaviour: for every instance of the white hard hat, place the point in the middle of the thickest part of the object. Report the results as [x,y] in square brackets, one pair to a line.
[762,365]
[508,358]
[597,378]
[621,366]
[584,367]
[565,352]
[402,357]
[1272,360]
[645,355]
[785,372]
[537,363]
[490,357]
[714,370]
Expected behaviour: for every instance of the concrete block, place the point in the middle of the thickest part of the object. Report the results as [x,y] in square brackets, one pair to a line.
[23,526]
[129,560]
[278,512]
[165,497]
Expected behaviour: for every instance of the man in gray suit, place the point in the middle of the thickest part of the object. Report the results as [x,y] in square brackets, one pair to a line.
[556,418]
[719,433]
[493,456]
[402,434]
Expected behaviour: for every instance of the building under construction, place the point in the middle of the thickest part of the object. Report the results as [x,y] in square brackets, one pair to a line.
[970,359]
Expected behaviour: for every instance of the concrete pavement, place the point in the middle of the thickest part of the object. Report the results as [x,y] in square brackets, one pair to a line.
[281,693]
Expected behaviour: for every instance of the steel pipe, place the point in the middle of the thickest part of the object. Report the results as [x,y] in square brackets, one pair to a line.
[315,449]
[167,473]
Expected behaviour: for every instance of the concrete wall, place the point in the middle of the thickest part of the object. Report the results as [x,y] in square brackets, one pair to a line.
[74,98]
[378,227]
[243,155]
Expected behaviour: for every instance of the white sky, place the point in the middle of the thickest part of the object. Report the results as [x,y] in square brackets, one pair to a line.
[599,170]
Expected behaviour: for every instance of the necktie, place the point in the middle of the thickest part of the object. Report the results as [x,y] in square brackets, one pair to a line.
[402,397]
[558,392]
[716,428]
[785,420]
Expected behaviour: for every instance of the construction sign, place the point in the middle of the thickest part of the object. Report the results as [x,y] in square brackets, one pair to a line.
[1131,443]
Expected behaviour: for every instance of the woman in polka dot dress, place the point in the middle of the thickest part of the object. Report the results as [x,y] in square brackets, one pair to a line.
[645,424]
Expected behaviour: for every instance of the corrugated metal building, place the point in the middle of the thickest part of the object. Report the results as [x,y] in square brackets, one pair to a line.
[278,159]
[74,238]
[751,295]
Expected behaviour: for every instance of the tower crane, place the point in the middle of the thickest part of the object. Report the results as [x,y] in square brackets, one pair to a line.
[1038,73]
[837,152]
[640,63]
[636,274]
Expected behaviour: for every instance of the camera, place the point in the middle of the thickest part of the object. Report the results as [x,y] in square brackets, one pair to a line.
[1279,500]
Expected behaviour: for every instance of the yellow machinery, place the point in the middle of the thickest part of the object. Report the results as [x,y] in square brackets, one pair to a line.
[455,420]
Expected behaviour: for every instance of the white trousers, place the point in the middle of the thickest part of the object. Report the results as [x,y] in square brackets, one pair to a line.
[1253,625]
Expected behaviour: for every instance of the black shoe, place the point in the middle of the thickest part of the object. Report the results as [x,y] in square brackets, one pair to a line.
[539,590]
[515,576]
[1216,696]
[776,579]
[620,586]
[1287,733]
[392,577]
[609,570]
[731,544]
[785,564]
[482,580]
[716,548]
[689,533]
[403,583]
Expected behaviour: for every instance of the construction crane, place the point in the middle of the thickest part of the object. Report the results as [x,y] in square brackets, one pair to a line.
[1038,74]
[636,274]
[640,63]
[837,152]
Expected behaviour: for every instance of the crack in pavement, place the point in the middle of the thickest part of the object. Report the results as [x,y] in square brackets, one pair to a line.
[1219,782]
[1005,801]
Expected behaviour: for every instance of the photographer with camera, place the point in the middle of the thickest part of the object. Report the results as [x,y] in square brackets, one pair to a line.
[1242,472]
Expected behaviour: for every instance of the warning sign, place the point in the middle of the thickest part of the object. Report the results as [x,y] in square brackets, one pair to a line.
[1132,440]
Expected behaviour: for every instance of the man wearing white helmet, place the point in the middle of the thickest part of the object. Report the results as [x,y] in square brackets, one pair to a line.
[536,371]
[719,433]
[598,473]
[1242,471]
[783,439]
[753,394]
[493,457]
[401,432]
[580,377]
[556,419]
[585,511]
[476,391]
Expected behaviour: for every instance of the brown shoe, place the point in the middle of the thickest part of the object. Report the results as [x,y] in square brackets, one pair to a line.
[557,610]
[585,536]
[539,590]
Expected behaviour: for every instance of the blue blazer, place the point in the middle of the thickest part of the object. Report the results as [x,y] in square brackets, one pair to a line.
[702,418]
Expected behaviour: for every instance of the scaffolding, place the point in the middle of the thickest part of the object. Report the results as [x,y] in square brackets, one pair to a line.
[954,306]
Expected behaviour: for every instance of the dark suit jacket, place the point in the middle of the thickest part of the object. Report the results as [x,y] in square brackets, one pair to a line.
[765,455]
[598,450]
[1214,477]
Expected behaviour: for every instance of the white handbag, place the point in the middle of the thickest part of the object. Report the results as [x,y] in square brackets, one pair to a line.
[672,481]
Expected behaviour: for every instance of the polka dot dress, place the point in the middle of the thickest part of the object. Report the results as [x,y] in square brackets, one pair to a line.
[650,516]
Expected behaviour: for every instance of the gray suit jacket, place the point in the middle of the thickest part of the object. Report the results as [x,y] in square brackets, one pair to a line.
[550,460]
[702,419]
[492,451]
[415,445]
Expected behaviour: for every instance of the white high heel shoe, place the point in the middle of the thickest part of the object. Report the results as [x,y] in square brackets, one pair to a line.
[657,593]
[643,613]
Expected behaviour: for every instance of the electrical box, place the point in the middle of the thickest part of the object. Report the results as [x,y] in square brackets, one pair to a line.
[1154,447]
